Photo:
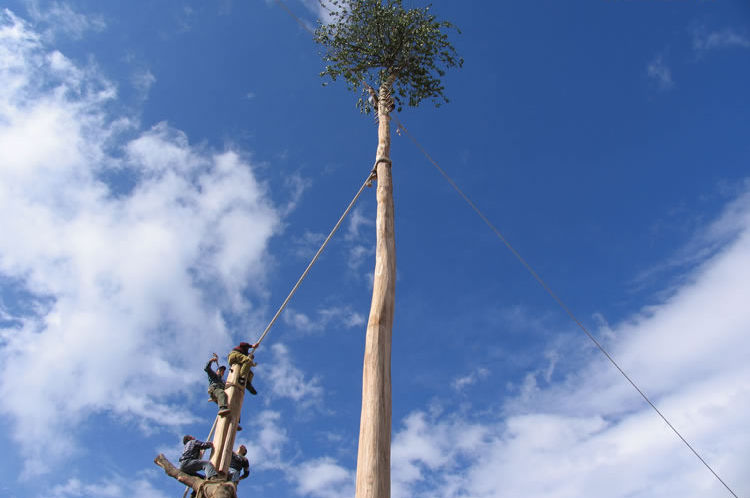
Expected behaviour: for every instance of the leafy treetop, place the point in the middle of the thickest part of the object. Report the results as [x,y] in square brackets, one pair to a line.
[405,51]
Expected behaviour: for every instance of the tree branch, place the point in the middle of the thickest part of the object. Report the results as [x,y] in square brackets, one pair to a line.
[173,471]
[211,489]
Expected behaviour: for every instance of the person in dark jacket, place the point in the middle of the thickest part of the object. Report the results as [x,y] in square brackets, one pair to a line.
[216,385]
[239,463]
[241,355]
[190,461]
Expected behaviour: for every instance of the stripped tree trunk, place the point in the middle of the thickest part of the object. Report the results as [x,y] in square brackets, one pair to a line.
[226,427]
[374,454]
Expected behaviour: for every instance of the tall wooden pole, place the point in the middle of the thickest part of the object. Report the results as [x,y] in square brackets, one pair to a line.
[374,453]
[226,428]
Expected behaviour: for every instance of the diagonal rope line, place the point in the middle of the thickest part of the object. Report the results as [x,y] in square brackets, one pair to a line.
[315,258]
[558,300]
[295,17]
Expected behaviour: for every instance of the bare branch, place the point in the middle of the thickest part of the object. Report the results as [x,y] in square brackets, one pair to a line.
[173,471]
[211,489]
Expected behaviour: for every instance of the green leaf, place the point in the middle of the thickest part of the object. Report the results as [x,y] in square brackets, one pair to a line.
[379,42]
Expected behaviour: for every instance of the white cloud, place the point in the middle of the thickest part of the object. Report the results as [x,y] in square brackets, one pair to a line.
[110,487]
[322,9]
[288,381]
[358,252]
[299,321]
[725,38]
[184,18]
[337,316]
[74,487]
[660,72]
[590,434]
[265,441]
[472,378]
[426,448]
[325,478]
[348,317]
[135,277]
[357,256]
[143,80]
[308,244]
[356,221]
[297,185]
[5,315]
[60,19]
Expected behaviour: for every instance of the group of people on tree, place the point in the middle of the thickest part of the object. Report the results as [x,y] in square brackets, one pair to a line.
[191,461]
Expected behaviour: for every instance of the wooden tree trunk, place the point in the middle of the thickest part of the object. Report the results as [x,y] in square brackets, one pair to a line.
[210,489]
[374,453]
[226,430]
[226,427]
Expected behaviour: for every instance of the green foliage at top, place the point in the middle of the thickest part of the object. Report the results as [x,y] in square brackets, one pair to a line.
[379,42]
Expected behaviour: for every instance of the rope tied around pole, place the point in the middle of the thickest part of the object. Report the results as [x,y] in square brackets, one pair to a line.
[201,492]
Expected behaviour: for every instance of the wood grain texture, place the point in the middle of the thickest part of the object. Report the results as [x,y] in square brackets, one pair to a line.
[374,452]
[209,489]
[226,427]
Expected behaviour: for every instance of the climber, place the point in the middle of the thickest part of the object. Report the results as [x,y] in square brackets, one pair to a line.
[190,461]
[216,385]
[239,463]
[241,355]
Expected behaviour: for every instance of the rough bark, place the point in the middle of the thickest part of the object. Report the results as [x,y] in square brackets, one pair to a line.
[374,452]
[210,489]
[226,427]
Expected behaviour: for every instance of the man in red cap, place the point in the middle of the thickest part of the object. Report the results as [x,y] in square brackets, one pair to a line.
[241,355]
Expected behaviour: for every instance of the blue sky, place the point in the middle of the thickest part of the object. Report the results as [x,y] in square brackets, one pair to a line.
[167,169]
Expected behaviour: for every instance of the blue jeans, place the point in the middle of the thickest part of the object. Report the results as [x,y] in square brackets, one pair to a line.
[191,467]
[234,474]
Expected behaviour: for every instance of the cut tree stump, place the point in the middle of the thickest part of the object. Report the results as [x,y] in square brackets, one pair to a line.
[204,489]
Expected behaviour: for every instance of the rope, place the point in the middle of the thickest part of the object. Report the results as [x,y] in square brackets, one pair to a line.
[559,301]
[199,491]
[315,258]
[293,16]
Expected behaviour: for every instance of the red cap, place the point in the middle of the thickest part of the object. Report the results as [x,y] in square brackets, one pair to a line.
[243,347]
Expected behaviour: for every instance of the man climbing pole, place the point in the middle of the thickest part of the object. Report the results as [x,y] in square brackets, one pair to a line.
[241,355]
[239,465]
[190,461]
[216,384]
